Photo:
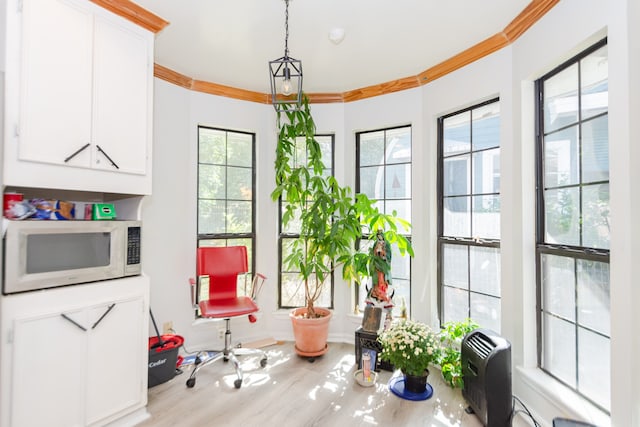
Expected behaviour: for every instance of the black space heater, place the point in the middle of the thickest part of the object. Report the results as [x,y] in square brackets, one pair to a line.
[486,371]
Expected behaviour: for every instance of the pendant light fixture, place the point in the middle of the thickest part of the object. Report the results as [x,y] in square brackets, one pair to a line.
[285,75]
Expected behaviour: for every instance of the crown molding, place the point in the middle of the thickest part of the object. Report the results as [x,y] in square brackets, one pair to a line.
[323,98]
[466,57]
[171,76]
[134,13]
[529,16]
[230,92]
[381,89]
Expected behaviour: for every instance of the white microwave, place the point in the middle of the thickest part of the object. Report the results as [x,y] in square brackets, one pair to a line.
[47,254]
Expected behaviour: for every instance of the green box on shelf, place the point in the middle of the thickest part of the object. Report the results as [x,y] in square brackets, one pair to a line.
[104,211]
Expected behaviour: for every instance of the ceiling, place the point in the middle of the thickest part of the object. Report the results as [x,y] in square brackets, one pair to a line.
[231,42]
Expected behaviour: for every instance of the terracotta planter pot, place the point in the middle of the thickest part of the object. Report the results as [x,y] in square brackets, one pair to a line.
[310,334]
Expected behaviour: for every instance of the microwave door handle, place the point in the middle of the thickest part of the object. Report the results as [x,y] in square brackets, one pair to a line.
[73,321]
[103,315]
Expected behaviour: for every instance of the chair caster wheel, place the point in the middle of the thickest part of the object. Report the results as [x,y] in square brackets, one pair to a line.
[237,383]
[191,382]
[311,359]
[263,362]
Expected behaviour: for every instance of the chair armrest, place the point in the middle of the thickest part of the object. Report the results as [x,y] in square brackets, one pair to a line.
[194,292]
[256,285]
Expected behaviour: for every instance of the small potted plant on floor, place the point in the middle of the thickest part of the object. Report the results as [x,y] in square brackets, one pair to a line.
[329,220]
[450,359]
[410,346]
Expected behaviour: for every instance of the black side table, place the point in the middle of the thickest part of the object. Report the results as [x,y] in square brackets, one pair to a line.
[368,341]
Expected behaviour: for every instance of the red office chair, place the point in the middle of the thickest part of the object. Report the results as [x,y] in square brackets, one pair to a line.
[222,265]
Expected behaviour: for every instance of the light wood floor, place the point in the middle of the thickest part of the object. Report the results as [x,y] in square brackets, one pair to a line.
[290,391]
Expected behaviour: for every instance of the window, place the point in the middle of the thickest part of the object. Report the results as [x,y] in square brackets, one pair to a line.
[573,224]
[469,215]
[291,287]
[384,175]
[226,184]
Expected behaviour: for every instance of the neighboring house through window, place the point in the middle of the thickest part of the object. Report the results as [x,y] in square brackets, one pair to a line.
[469,215]
[573,224]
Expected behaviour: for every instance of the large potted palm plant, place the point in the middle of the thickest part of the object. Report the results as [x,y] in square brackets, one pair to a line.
[330,219]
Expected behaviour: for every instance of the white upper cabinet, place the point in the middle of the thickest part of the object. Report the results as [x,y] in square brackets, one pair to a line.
[55,101]
[81,116]
[121,86]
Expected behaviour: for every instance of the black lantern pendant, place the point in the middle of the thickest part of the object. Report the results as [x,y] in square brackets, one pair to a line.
[285,75]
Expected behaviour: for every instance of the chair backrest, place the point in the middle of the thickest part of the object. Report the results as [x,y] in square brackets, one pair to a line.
[223,265]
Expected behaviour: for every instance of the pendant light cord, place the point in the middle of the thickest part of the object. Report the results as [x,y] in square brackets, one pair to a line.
[286,29]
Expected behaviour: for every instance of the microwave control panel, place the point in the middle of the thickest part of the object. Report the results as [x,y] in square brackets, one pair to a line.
[133,246]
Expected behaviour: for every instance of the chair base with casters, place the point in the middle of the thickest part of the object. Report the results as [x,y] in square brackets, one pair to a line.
[227,354]
[565,422]
[222,266]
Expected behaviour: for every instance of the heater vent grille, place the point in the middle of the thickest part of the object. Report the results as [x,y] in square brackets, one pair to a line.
[481,345]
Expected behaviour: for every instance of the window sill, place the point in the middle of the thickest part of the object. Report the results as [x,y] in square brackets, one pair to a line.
[561,397]
[283,313]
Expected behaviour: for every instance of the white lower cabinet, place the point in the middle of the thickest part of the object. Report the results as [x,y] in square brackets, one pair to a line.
[75,363]
[48,372]
[114,378]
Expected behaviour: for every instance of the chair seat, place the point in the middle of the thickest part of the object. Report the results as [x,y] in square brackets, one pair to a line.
[228,307]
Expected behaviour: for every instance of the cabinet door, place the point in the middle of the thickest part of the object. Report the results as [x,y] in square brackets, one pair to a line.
[55,110]
[122,85]
[47,382]
[116,362]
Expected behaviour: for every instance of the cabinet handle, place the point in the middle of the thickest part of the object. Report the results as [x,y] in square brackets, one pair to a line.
[64,316]
[107,156]
[103,315]
[77,152]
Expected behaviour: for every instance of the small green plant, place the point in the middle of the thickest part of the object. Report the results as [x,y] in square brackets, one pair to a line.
[450,362]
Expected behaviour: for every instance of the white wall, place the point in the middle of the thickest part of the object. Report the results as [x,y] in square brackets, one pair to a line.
[170,213]
[3,29]
[624,134]
[167,251]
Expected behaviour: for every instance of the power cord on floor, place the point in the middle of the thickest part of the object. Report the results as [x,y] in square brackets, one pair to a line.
[186,350]
[196,352]
[525,410]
